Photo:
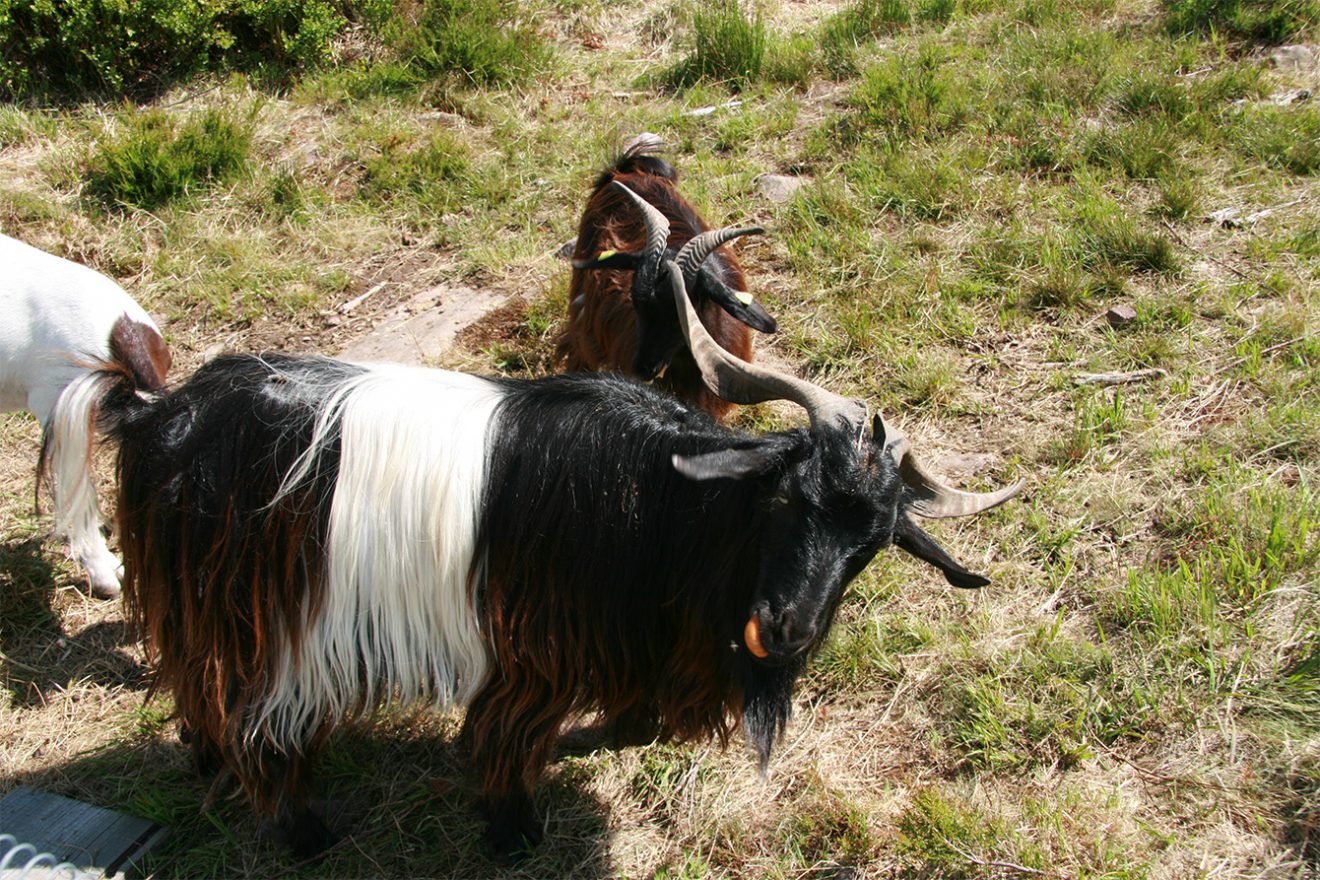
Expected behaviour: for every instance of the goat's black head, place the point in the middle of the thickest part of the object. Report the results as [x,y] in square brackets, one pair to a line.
[659,334]
[834,496]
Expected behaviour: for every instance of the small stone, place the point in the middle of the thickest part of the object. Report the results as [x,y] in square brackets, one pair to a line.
[1227,217]
[334,321]
[778,188]
[1120,316]
[1294,57]
[1299,96]
[566,249]
[453,120]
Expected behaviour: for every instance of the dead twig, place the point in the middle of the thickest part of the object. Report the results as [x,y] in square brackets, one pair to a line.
[359,300]
[1264,351]
[992,863]
[1122,378]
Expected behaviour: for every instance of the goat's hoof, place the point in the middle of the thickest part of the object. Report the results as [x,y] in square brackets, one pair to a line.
[305,834]
[103,576]
[102,589]
[512,841]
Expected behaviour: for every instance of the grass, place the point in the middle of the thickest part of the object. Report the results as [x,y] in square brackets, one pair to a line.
[729,46]
[1134,695]
[156,159]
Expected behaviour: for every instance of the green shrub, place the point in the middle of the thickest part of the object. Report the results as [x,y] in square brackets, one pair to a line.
[51,49]
[490,42]
[864,21]
[1270,21]
[153,161]
[729,47]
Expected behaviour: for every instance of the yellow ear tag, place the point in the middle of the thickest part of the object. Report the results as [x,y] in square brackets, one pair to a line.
[605,255]
[743,297]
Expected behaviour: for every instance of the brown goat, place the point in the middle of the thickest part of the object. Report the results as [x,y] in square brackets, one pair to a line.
[615,320]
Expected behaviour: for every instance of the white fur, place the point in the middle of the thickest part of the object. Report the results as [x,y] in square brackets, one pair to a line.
[397,621]
[57,313]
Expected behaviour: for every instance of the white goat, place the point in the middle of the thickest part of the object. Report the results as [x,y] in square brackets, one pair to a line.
[57,320]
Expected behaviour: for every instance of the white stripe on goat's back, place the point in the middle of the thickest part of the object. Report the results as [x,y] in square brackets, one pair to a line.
[397,620]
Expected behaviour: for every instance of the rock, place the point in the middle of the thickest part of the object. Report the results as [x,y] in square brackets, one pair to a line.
[453,120]
[1120,316]
[1231,218]
[566,249]
[1297,97]
[1227,217]
[423,328]
[706,111]
[778,188]
[1294,57]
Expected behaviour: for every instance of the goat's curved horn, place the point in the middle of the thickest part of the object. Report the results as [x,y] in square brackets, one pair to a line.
[738,381]
[932,498]
[657,230]
[694,253]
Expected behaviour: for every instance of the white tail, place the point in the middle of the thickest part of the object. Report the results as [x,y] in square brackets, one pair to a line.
[68,449]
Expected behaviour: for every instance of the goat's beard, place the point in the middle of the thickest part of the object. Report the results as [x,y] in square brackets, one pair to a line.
[767,705]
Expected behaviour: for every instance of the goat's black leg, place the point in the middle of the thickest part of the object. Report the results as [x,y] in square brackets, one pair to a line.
[302,829]
[283,784]
[207,757]
[510,731]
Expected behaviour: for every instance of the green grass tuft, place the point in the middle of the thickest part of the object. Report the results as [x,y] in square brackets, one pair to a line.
[154,159]
[905,98]
[1269,21]
[729,46]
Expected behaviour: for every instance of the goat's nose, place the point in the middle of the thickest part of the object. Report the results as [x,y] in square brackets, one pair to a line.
[788,635]
[777,636]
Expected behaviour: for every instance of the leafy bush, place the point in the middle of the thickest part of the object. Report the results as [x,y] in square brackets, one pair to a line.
[1270,21]
[490,42]
[139,46]
[152,161]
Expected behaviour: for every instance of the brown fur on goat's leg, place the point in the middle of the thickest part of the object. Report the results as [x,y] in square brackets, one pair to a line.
[208,759]
[511,729]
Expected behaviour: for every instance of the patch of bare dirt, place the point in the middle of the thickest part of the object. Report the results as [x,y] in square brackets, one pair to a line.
[506,324]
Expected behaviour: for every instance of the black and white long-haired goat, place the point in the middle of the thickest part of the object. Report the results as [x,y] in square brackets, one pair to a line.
[307,539]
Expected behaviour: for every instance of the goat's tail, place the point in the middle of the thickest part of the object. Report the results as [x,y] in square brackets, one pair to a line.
[105,394]
[109,394]
[639,154]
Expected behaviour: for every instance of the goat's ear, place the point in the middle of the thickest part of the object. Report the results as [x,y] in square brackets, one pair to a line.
[739,305]
[609,260]
[728,464]
[911,537]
